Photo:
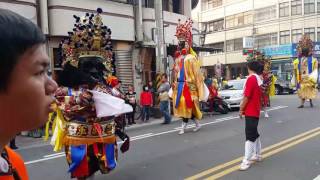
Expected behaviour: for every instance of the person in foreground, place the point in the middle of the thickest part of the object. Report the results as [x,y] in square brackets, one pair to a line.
[25,88]
[250,108]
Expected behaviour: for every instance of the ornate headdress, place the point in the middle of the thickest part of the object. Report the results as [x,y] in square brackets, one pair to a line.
[262,58]
[88,38]
[112,81]
[184,31]
[305,44]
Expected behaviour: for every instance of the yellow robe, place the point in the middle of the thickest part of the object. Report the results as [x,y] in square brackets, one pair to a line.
[307,83]
[194,79]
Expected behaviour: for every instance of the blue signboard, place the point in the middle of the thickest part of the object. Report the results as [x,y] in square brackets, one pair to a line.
[288,50]
[282,50]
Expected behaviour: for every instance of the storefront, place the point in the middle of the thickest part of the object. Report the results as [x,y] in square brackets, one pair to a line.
[282,57]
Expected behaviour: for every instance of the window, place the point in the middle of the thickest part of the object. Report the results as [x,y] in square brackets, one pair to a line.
[165,5]
[318,34]
[266,40]
[266,13]
[309,6]
[218,46]
[230,22]
[284,9]
[234,44]
[148,3]
[248,18]
[230,45]
[318,6]
[310,32]
[238,44]
[296,35]
[296,7]
[285,37]
[215,26]
[274,39]
[213,3]
[239,20]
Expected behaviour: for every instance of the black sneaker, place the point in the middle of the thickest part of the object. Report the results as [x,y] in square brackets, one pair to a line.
[301,107]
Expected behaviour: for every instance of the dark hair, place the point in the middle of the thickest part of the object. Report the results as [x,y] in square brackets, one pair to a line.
[255,66]
[144,88]
[17,35]
[164,75]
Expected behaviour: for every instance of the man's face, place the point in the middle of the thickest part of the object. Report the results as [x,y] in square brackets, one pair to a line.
[164,79]
[30,91]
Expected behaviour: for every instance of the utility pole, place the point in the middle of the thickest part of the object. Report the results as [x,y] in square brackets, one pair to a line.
[160,47]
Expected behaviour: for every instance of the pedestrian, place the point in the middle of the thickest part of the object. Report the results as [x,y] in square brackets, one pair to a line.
[164,98]
[146,102]
[213,95]
[26,91]
[152,90]
[12,144]
[250,108]
[151,87]
[132,100]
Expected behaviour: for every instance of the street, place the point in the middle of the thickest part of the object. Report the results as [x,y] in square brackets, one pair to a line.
[290,139]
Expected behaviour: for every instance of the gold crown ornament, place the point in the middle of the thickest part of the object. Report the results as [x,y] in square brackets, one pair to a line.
[305,44]
[89,37]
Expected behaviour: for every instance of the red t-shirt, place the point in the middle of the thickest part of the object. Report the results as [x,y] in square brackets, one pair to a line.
[146,98]
[253,92]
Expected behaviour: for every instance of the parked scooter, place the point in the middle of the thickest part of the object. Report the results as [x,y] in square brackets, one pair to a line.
[216,104]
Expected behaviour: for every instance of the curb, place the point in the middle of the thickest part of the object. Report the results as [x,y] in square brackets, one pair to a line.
[151,123]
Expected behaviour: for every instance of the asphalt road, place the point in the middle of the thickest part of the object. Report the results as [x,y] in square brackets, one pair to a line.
[159,153]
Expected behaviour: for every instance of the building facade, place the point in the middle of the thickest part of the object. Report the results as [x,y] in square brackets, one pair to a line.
[231,25]
[132,23]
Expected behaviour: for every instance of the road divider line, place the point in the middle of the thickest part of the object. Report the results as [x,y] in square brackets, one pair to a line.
[43,159]
[52,155]
[238,160]
[144,136]
[273,152]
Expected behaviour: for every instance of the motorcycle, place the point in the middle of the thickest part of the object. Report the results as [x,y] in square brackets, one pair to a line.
[217,104]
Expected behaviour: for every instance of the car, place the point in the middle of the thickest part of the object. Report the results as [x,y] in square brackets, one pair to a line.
[283,86]
[232,93]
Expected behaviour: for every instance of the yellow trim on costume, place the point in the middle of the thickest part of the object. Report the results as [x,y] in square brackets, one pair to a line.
[272,91]
[58,132]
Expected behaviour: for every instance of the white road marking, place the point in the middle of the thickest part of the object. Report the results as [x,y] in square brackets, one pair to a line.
[43,159]
[317,178]
[148,135]
[51,155]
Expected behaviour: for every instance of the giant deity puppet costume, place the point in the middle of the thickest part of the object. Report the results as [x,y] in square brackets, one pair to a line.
[305,71]
[188,85]
[86,111]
